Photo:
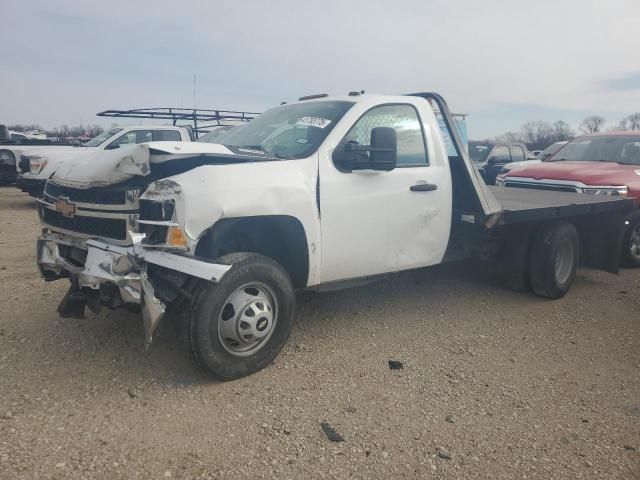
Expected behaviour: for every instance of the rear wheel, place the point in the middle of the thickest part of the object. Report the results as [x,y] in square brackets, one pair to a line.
[554,260]
[238,326]
[631,244]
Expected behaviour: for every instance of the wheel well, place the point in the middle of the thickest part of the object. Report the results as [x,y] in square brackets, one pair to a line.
[279,237]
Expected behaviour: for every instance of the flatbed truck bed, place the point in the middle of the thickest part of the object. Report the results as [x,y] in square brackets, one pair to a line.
[527,205]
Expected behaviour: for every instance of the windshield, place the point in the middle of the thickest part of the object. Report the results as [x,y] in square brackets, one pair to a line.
[96,141]
[214,136]
[602,148]
[478,151]
[550,150]
[290,131]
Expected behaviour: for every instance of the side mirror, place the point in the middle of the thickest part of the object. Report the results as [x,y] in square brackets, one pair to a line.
[381,154]
[112,146]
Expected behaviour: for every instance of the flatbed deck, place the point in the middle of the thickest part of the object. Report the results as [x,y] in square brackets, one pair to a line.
[526,205]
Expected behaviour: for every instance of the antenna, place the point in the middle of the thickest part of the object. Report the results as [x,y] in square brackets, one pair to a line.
[195,119]
[194,90]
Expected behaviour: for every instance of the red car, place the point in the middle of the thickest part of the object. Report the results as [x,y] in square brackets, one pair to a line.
[604,164]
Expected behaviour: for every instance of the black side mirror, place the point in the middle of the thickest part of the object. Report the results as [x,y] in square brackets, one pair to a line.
[381,154]
[112,146]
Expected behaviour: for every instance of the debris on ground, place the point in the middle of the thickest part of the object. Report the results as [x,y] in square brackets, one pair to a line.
[330,432]
[442,453]
[395,365]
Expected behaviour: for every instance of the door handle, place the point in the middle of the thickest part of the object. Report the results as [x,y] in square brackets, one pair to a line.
[423,187]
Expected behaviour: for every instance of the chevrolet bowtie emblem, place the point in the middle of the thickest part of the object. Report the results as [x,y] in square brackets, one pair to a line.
[65,207]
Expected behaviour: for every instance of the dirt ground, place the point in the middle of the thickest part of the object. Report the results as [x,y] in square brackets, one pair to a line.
[495,384]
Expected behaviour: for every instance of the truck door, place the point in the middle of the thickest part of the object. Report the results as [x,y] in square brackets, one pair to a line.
[374,221]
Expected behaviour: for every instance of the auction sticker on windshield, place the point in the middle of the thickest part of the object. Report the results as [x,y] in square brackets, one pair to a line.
[314,122]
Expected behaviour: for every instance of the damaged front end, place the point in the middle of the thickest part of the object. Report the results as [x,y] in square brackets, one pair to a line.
[104,274]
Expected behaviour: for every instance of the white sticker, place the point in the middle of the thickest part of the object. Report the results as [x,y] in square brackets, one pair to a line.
[314,122]
[637,172]
[250,150]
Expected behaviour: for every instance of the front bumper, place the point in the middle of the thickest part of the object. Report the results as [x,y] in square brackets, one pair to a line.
[122,267]
[32,186]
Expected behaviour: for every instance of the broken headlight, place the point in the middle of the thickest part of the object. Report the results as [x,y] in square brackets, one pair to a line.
[159,211]
[157,221]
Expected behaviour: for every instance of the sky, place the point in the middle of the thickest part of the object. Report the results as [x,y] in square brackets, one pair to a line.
[504,62]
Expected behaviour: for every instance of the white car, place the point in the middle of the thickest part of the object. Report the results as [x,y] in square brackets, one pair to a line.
[36,165]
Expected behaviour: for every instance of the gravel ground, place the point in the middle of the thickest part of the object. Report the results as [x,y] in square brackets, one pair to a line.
[494,384]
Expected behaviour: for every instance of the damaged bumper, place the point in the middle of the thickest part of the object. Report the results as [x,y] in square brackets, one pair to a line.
[124,268]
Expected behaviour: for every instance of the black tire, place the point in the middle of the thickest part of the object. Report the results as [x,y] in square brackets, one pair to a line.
[207,308]
[631,258]
[552,241]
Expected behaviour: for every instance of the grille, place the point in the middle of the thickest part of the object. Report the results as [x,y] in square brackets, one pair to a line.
[100,227]
[542,186]
[102,196]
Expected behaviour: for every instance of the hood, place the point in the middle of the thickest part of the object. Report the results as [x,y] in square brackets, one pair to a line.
[520,164]
[589,173]
[101,168]
[51,150]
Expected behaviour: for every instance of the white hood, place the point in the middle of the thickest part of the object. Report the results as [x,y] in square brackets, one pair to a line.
[109,167]
[51,150]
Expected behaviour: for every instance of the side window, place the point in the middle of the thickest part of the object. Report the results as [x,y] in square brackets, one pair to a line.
[402,118]
[132,137]
[500,155]
[18,136]
[166,136]
[517,154]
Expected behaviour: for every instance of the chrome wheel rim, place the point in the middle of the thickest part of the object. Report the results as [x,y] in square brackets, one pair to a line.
[634,242]
[564,261]
[248,319]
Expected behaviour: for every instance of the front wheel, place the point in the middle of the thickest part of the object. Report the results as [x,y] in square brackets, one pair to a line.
[239,326]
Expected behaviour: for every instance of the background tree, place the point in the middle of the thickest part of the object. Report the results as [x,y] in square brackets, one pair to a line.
[562,132]
[631,122]
[592,124]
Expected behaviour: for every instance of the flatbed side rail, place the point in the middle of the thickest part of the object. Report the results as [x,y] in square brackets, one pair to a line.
[491,208]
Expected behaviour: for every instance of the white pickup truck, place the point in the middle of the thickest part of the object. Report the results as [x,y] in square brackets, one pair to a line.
[37,164]
[326,191]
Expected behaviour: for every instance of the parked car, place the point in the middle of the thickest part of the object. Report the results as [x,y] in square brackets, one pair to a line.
[602,164]
[36,165]
[491,157]
[12,146]
[545,154]
[326,191]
